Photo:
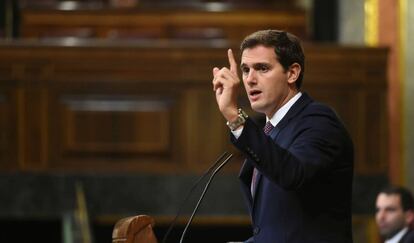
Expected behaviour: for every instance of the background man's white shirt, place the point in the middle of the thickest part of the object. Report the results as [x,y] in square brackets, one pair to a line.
[397,237]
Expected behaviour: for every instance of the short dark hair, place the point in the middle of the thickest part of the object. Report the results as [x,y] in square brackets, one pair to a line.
[407,201]
[287,48]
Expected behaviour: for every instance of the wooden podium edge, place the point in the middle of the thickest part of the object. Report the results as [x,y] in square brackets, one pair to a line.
[135,229]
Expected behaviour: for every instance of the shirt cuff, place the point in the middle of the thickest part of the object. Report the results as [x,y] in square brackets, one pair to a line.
[237,133]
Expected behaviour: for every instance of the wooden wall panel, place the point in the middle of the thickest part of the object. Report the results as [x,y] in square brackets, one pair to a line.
[6,71]
[95,105]
[172,23]
[108,125]
[9,135]
[121,129]
[34,109]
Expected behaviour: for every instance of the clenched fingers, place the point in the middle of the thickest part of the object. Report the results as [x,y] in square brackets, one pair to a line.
[224,78]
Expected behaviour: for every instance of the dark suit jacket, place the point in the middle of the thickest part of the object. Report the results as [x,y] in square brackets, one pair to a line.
[408,237]
[304,186]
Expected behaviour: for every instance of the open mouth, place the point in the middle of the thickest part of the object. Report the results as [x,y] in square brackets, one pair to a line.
[254,93]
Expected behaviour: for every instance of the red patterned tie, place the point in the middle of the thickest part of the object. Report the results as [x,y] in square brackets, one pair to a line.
[267,129]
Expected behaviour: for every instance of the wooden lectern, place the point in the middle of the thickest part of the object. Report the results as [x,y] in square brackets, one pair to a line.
[135,229]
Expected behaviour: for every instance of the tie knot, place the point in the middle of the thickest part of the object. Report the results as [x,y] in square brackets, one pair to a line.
[268,128]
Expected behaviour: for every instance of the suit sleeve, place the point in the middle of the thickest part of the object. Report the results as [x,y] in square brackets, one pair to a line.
[310,146]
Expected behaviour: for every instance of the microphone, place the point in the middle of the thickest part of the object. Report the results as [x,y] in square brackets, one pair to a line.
[202,194]
[194,186]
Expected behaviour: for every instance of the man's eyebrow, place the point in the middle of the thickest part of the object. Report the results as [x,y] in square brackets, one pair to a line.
[261,64]
[257,64]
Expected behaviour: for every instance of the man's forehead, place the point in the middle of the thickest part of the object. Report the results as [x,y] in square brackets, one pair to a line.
[389,199]
[258,54]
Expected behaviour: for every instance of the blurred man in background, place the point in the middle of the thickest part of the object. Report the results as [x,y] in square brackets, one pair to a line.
[395,215]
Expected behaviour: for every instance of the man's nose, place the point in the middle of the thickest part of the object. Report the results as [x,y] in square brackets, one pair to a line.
[380,215]
[251,77]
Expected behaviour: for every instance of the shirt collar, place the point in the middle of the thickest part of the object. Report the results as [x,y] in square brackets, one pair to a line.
[278,116]
[397,237]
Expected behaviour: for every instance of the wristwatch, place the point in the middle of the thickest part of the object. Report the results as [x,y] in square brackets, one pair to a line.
[241,119]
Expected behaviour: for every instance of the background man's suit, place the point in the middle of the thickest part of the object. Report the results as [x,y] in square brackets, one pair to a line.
[304,186]
[408,237]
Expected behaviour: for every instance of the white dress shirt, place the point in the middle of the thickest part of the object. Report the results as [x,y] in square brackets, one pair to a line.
[397,237]
[277,117]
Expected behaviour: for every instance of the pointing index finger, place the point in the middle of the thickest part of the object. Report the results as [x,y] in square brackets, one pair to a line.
[232,62]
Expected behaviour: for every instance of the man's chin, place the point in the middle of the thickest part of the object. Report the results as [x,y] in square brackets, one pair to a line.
[256,107]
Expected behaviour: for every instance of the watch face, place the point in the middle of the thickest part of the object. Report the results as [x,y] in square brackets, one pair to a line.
[241,112]
[236,124]
[241,119]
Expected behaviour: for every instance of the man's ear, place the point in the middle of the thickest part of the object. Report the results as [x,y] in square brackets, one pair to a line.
[294,72]
[409,218]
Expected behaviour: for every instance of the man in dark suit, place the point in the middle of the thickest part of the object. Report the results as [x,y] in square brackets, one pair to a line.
[297,177]
[395,214]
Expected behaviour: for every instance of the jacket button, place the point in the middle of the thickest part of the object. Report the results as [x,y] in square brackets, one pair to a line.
[256,230]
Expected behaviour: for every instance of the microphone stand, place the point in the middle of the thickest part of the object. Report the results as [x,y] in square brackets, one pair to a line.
[202,195]
[219,159]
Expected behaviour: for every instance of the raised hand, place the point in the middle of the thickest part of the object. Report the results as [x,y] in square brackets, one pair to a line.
[226,84]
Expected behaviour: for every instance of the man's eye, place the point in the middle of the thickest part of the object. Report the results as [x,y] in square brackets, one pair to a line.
[263,69]
[245,70]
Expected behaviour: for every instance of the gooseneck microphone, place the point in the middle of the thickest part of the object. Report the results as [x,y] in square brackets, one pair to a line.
[202,194]
[194,186]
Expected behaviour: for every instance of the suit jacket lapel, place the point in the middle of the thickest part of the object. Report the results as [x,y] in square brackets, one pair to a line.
[293,111]
[299,105]
[245,176]
[273,134]
[246,171]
